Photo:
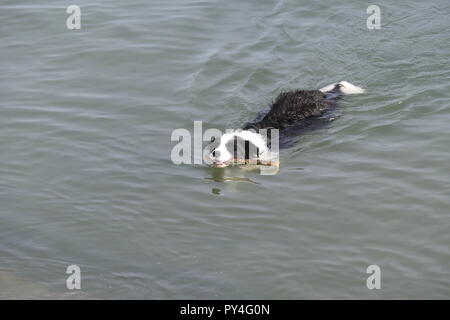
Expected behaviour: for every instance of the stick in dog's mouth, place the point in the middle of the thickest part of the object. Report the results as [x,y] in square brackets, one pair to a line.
[219,164]
[258,162]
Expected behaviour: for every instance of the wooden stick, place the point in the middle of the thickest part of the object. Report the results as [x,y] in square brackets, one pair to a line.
[256,162]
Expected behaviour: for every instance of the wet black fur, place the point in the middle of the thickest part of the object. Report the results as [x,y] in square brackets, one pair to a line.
[292,107]
[296,112]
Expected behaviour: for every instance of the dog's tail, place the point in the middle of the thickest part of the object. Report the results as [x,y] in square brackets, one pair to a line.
[342,88]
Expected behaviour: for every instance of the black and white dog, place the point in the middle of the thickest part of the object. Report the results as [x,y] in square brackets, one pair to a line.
[289,109]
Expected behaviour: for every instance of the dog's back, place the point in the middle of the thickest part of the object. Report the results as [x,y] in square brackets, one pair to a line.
[291,107]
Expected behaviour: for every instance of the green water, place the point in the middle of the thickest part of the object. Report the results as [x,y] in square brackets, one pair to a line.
[86,176]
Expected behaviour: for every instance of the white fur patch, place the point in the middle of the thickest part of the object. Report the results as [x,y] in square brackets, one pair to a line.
[224,155]
[347,88]
[328,87]
[254,138]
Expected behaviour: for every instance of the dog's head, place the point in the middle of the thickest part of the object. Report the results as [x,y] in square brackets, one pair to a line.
[240,145]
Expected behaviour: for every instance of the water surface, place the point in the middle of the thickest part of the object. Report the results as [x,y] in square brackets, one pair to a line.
[86,176]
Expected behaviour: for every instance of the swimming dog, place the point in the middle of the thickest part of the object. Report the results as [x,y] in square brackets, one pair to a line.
[290,109]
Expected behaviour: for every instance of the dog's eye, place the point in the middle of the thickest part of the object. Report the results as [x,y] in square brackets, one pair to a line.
[214,153]
[213,139]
